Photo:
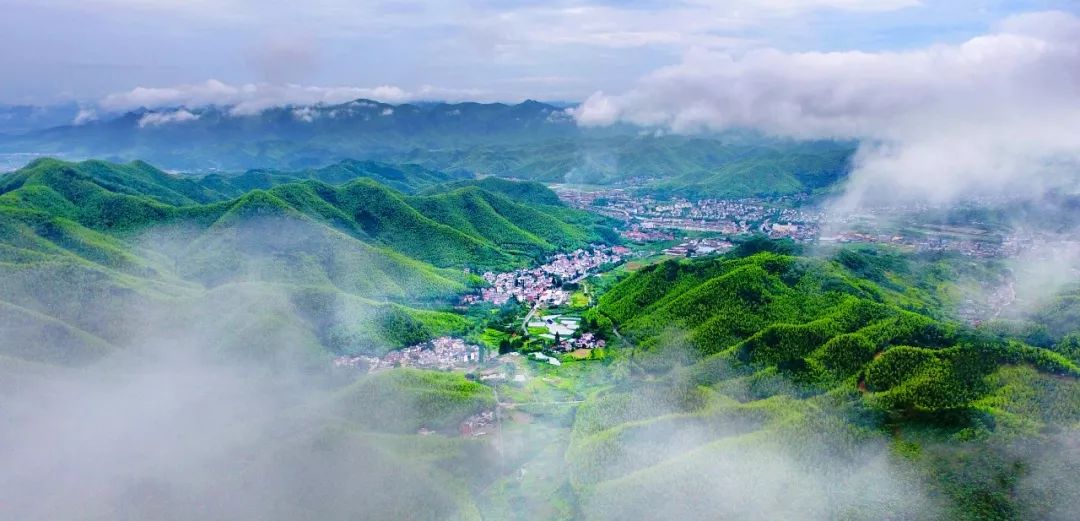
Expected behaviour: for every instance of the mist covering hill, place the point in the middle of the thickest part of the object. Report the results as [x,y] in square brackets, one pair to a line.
[335,253]
[767,383]
[167,346]
[795,387]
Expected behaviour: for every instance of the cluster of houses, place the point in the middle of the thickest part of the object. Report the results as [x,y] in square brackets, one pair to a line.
[556,325]
[543,284]
[578,263]
[638,234]
[1008,246]
[807,232]
[561,329]
[478,425]
[541,357]
[699,247]
[585,341]
[441,353]
[727,216]
[648,220]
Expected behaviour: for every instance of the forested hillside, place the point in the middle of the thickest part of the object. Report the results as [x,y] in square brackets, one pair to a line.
[773,363]
[728,166]
[85,245]
[124,288]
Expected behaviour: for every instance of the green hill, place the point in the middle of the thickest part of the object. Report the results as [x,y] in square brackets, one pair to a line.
[728,166]
[522,191]
[109,197]
[804,374]
[84,245]
[403,178]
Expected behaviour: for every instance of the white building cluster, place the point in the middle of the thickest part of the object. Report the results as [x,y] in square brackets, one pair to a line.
[543,284]
[441,353]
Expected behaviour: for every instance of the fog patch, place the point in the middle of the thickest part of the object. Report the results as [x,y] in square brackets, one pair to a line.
[703,442]
[209,395]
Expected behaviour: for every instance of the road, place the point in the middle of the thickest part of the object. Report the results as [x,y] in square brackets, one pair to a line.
[525,323]
[511,405]
[617,334]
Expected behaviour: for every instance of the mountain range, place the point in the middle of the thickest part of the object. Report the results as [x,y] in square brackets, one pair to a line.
[529,140]
[732,378]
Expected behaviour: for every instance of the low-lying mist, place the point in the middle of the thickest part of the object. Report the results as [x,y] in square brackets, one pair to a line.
[175,427]
[215,398]
[155,395]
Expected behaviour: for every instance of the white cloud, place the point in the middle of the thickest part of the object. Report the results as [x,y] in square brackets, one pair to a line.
[155,119]
[305,114]
[599,43]
[997,112]
[253,98]
[84,116]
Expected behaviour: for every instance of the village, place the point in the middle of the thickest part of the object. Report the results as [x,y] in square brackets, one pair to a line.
[699,247]
[443,353]
[564,333]
[544,284]
[648,219]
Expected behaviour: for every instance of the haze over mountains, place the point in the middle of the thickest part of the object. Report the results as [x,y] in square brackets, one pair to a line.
[530,140]
[140,234]
[273,261]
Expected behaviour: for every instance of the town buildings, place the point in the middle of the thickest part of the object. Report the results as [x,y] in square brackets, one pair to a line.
[543,284]
[441,353]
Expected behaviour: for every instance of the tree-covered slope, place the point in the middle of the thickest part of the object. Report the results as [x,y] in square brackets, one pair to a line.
[128,198]
[85,245]
[527,191]
[133,315]
[722,166]
[136,178]
[800,374]
[403,178]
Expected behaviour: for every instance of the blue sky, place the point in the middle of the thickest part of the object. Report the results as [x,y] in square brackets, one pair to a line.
[56,50]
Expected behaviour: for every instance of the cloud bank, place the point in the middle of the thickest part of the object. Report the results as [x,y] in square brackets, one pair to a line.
[997,112]
[252,98]
[154,119]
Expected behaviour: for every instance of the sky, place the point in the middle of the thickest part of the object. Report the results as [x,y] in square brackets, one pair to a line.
[506,50]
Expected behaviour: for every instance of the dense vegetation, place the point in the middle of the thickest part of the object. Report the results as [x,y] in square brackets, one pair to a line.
[728,166]
[821,369]
[216,302]
[764,384]
[85,245]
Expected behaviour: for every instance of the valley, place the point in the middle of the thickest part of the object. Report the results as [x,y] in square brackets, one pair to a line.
[582,260]
[544,354]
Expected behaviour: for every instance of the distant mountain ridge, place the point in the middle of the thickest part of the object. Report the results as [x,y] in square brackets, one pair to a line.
[222,139]
[530,140]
